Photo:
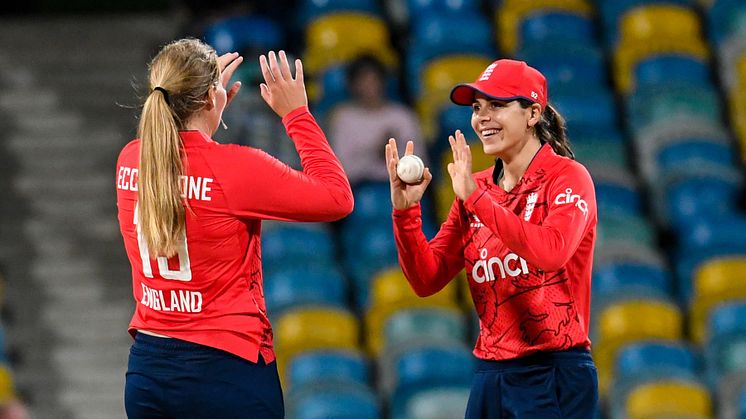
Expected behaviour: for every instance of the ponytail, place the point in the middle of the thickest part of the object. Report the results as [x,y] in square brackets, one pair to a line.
[551,129]
[181,76]
[161,212]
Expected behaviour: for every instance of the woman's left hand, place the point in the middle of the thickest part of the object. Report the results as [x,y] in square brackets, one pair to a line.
[228,63]
[460,169]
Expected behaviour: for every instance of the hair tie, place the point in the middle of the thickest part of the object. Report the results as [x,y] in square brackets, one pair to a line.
[165,94]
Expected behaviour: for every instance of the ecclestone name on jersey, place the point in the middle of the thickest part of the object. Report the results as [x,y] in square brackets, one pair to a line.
[192,187]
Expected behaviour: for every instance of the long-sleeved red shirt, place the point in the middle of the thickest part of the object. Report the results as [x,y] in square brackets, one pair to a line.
[528,256]
[211,292]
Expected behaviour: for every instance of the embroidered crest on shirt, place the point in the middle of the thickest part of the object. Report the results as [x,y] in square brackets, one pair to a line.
[530,204]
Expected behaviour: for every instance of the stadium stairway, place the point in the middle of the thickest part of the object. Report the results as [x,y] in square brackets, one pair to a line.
[65,88]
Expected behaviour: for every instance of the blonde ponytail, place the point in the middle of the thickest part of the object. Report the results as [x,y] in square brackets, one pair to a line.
[180,77]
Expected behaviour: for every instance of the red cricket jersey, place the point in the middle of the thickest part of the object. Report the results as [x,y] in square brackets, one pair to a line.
[528,256]
[211,292]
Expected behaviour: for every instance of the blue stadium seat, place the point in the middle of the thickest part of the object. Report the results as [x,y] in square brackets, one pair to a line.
[686,260]
[630,279]
[298,243]
[428,368]
[650,361]
[372,202]
[419,7]
[725,18]
[611,12]
[661,69]
[692,151]
[447,402]
[300,285]
[441,33]
[308,10]
[325,366]
[616,198]
[589,109]
[244,33]
[725,347]
[552,25]
[566,64]
[690,198]
[334,401]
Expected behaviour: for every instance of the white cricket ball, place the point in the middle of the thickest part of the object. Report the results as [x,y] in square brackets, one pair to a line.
[410,169]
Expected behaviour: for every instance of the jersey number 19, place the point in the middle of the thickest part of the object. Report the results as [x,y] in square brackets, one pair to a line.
[185,271]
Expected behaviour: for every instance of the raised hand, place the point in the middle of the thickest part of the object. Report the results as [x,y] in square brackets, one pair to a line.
[460,169]
[228,63]
[282,92]
[403,195]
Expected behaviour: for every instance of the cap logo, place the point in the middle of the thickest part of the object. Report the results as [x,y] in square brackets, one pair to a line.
[488,72]
[534,95]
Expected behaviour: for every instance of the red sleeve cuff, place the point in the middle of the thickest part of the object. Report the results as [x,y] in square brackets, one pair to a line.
[408,218]
[287,119]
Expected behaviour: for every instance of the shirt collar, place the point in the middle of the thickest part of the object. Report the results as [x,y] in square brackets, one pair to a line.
[194,137]
[536,163]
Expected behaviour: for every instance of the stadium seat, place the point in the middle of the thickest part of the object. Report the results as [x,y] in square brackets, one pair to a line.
[427,368]
[511,13]
[682,399]
[725,19]
[335,401]
[592,108]
[725,344]
[647,362]
[311,328]
[438,403]
[671,68]
[716,281]
[628,56]
[308,10]
[614,228]
[659,21]
[599,152]
[433,324]
[566,64]
[420,7]
[332,39]
[296,286]
[695,198]
[304,244]
[692,151]
[625,279]
[244,34]
[326,366]
[616,196]
[619,324]
[556,26]
[437,34]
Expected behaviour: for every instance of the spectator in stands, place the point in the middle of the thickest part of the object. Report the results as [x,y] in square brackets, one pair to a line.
[190,213]
[359,127]
[524,230]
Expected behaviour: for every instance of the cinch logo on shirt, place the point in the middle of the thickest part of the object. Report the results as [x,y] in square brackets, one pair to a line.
[530,204]
[511,265]
[570,198]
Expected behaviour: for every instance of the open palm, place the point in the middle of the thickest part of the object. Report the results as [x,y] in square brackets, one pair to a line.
[460,169]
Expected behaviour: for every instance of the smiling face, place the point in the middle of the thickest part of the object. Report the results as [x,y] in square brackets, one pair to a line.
[503,127]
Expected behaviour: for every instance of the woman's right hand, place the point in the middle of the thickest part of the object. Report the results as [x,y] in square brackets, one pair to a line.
[282,92]
[403,195]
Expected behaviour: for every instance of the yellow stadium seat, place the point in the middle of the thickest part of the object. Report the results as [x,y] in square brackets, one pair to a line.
[391,292]
[670,399]
[442,74]
[717,280]
[511,13]
[310,328]
[336,38]
[628,55]
[659,21]
[7,391]
[439,77]
[629,321]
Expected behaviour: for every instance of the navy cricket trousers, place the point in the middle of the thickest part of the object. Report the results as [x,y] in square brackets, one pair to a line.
[546,385]
[171,378]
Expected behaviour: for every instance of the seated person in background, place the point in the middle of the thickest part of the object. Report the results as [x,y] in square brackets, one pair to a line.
[359,127]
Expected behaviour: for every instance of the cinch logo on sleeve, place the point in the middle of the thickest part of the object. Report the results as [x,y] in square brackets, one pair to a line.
[570,198]
[511,265]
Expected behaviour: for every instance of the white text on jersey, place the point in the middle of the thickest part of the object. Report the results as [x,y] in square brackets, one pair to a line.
[191,187]
[484,269]
[179,300]
[570,198]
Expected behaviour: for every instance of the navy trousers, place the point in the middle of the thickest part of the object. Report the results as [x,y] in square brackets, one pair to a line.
[171,378]
[547,385]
